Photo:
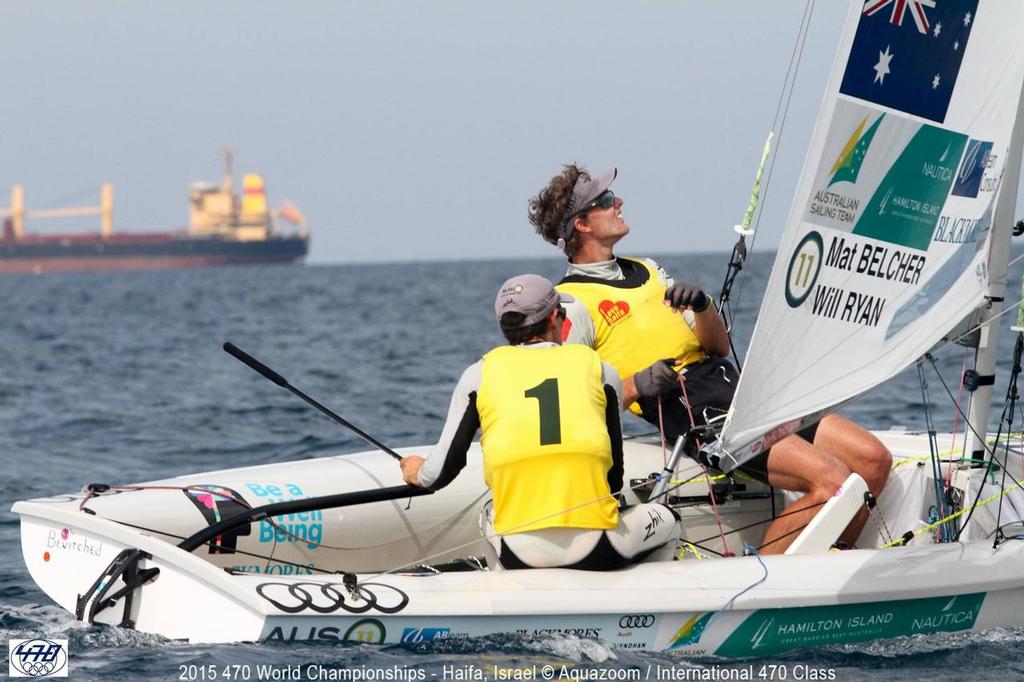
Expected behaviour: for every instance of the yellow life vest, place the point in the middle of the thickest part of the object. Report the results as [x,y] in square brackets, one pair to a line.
[633,328]
[546,449]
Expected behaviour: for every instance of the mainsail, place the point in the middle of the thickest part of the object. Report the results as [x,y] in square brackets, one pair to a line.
[887,241]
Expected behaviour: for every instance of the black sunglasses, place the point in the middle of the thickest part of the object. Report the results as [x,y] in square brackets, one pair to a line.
[604,201]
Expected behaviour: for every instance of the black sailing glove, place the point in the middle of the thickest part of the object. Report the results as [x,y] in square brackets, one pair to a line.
[686,295]
[657,379]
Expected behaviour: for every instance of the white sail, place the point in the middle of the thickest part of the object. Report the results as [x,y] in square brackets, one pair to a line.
[887,242]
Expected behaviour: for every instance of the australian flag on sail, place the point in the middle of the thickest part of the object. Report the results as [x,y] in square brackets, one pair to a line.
[906,54]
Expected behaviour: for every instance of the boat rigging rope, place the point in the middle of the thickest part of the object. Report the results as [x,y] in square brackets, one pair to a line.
[991,460]
[910,535]
[97,489]
[948,475]
[995,318]
[942,345]
[944,532]
[1012,396]
[880,525]
[778,123]
[242,552]
[487,538]
[764,521]
[693,546]
[661,434]
[707,474]
[92,490]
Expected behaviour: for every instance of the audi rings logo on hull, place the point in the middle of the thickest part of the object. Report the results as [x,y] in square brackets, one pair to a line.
[637,621]
[331,597]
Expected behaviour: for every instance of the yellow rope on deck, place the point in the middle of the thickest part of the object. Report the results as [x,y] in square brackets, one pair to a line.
[904,539]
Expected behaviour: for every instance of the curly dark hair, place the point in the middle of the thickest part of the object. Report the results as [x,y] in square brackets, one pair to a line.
[547,209]
[516,334]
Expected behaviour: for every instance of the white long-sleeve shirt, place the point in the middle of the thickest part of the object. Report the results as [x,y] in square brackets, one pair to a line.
[462,422]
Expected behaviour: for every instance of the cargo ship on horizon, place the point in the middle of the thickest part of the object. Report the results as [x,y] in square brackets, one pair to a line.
[223,230]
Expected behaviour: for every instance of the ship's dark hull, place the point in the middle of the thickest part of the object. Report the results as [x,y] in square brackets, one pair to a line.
[143,252]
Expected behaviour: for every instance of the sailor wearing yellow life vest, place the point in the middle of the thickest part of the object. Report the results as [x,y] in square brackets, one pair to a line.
[650,327]
[638,318]
[552,444]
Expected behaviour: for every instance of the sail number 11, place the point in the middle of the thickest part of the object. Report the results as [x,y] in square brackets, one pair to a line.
[802,275]
[804,266]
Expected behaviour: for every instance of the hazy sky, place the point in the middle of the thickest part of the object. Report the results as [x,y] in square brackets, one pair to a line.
[411,130]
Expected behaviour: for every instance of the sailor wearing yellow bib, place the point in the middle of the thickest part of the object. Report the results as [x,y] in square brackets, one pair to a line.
[645,324]
[552,444]
[613,313]
[649,326]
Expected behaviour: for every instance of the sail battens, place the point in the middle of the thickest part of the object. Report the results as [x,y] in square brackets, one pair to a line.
[887,244]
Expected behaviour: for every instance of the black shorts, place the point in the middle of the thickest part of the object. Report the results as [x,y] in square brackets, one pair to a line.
[757,467]
[710,385]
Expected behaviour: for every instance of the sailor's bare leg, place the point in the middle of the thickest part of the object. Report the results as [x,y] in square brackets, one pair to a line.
[857,448]
[863,454]
[794,464]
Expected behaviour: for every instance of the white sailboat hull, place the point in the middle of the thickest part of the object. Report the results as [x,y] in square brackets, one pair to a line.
[700,607]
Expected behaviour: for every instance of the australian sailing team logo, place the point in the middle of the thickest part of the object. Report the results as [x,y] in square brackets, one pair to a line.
[690,631]
[830,206]
[804,266]
[847,165]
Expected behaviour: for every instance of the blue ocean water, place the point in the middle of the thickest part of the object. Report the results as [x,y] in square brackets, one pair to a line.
[120,377]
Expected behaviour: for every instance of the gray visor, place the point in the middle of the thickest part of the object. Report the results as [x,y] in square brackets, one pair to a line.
[584,192]
[532,296]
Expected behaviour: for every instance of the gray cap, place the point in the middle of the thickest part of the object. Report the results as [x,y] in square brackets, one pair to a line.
[583,192]
[530,295]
